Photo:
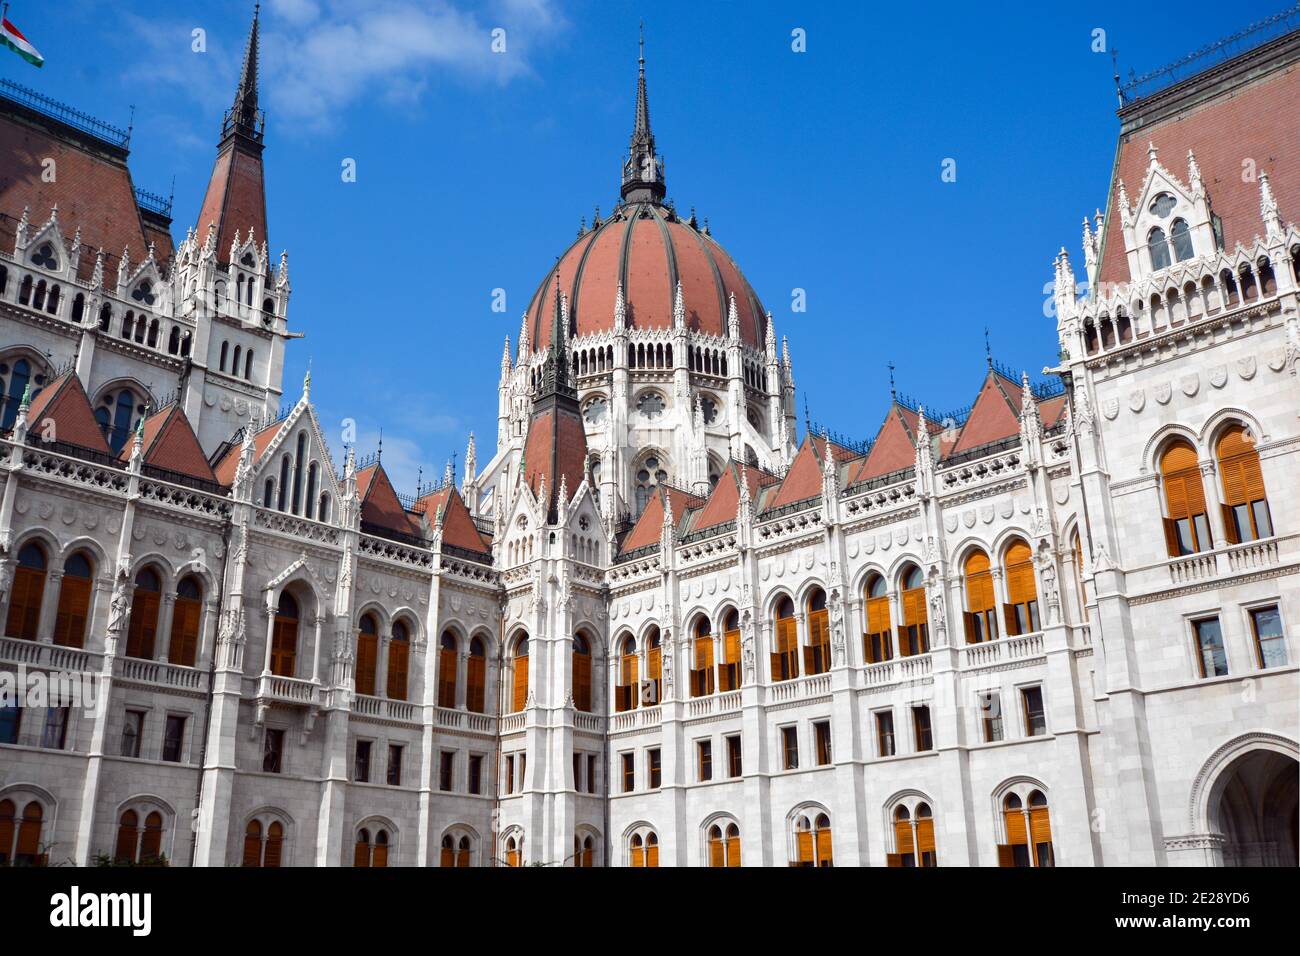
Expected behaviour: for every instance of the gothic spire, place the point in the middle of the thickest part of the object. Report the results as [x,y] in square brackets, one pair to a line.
[244,117]
[643,172]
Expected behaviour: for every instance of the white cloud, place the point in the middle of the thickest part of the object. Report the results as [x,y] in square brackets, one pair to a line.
[316,62]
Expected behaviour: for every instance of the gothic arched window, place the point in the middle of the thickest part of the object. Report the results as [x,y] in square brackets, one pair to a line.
[1182,238]
[1158,248]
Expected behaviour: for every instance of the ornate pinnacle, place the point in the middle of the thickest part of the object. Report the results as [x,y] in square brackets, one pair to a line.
[620,307]
[1268,210]
[679,307]
[733,318]
[1193,172]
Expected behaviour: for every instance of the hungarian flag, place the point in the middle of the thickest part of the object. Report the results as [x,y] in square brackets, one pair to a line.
[12,37]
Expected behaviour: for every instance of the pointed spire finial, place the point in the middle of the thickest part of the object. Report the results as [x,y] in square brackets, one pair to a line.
[988,349]
[306,382]
[893,391]
[243,115]
[643,171]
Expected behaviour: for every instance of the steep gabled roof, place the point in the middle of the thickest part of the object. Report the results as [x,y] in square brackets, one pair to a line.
[458,526]
[995,414]
[804,479]
[228,464]
[649,526]
[556,447]
[169,442]
[894,447]
[723,503]
[380,505]
[65,405]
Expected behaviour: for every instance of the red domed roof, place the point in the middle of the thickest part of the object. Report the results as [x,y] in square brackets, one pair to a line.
[647,248]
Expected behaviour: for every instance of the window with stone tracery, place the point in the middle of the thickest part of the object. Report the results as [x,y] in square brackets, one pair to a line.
[649,476]
[650,405]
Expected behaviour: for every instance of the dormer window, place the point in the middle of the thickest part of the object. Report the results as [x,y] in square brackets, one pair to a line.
[143,293]
[44,257]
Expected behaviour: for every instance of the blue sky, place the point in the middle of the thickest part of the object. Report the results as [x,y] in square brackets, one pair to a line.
[818,170]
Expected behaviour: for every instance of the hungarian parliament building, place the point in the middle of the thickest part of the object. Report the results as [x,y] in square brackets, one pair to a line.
[663,621]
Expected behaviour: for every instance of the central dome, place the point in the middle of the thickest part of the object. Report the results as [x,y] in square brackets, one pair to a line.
[649,250]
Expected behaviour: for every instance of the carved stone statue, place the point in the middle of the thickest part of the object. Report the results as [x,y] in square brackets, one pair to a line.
[836,615]
[1051,592]
[120,606]
[666,656]
[747,647]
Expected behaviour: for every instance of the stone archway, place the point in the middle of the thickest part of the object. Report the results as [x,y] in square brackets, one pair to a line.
[1253,804]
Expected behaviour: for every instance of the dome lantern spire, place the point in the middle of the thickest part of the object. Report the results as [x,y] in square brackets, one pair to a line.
[643,172]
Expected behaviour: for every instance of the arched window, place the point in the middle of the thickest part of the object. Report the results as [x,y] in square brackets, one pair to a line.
[455,853]
[323,512]
[20,837]
[371,851]
[234,364]
[877,642]
[367,655]
[225,348]
[520,696]
[263,844]
[74,601]
[654,664]
[584,849]
[914,636]
[913,837]
[268,493]
[13,395]
[399,657]
[636,851]
[137,844]
[724,845]
[702,658]
[1187,530]
[248,365]
[284,640]
[1021,610]
[514,851]
[581,673]
[1245,505]
[145,599]
[626,696]
[26,593]
[651,474]
[1158,247]
[187,618]
[447,664]
[476,677]
[813,841]
[123,411]
[785,656]
[1028,827]
[729,668]
[817,655]
[310,500]
[298,472]
[981,620]
[1182,238]
[284,483]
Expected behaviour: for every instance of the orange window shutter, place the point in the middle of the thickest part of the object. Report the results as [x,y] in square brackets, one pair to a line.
[877,615]
[1229,523]
[654,663]
[903,836]
[819,627]
[366,653]
[652,855]
[582,681]
[731,647]
[476,679]
[805,841]
[521,683]
[126,837]
[381,856]
[1040,825]
[1016,827]
[29,830]
[894,859]
[925,835]
[447,677]
[151,842]
[25,603]
[717,853]
[462,856]
[638,856]
[824,845]
[398,658]
[361,854]
[790,635]
[74,610]
[1006,855]
[1020,574]
[7,811]
[733,851]
[274,843]
[1234,480]
[1171,537]
[253,844]
[447,858]
[914,609]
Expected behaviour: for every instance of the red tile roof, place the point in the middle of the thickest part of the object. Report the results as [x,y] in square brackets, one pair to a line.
[93,188]
[556,446]
[458,526]
[379,503]
[61,410]
[649,254]
[723,503]
[649,526]
[229,463]
[804,479]
[236,198]
[894,447]
[1255,119]
[169,442]
[995,414]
